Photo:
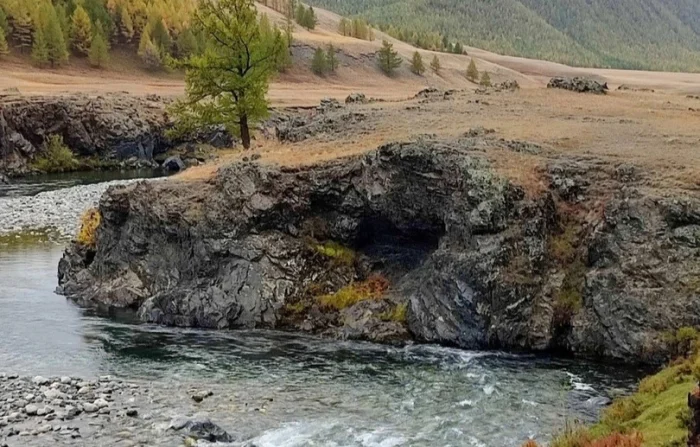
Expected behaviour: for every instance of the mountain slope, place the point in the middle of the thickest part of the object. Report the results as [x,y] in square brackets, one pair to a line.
[640,34]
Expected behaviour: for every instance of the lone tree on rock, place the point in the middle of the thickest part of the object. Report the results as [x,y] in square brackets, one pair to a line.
[417,65]
[472,72]
[485,79]
[389,59]
[435,64]
[227,84]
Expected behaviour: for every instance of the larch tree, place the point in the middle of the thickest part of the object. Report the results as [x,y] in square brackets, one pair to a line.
[40,50]
[435,64]
[81,31]
[389,59]
[55,43]
[99,51]
[417,65]
[485,79]
[472,72]
[331,58]
[4,47]
[227,84]
[319,63]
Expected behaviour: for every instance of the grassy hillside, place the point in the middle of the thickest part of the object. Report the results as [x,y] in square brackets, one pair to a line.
[639,34]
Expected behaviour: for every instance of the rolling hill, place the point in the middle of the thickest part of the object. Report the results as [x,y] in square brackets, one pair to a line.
[632,34]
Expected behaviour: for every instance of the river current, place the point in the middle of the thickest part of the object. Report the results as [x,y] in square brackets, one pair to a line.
[283,390]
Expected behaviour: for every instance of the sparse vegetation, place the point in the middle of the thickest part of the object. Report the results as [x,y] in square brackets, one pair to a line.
[306,17]
[340,254]
[331,58]
[397,314]
[472,72]
[371,289]
[56,157]
[89,223]
[319,63]
[357,28]
[389,59]
[435,65]
[417,65]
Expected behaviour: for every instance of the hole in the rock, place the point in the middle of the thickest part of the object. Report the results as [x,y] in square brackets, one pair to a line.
[393,247]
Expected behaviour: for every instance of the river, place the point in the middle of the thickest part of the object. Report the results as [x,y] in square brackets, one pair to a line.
[279,389]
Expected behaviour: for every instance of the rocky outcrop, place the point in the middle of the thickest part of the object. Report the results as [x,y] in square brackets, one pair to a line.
[580,85]
[117,127]
[470,259]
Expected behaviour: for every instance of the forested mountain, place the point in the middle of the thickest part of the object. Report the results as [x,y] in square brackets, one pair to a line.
[641,34]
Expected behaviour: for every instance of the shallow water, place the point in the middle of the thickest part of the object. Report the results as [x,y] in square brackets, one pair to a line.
[280,389]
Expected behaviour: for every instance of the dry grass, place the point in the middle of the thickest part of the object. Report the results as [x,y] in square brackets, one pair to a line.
[371,289]
[89,223]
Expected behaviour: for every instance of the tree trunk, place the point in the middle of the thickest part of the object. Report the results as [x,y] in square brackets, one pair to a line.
[245,131]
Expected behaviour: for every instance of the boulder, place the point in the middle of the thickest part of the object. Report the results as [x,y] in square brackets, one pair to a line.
[356,98]
[507,86]
[200,428]
[578,84]
[174,164]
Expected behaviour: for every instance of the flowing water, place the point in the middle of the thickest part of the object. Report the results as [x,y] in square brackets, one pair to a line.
[279,389]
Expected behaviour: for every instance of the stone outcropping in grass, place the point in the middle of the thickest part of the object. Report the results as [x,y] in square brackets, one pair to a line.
[580,85]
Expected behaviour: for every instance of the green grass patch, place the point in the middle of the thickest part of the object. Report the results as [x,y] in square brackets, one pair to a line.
[372,289]
[338,253]
[26,238]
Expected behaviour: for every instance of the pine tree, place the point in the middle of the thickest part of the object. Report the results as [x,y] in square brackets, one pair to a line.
[458,48]
[319,64]
[289,31]
[300,14]
[149,52]
[160,35]
[309,19]
[331,58]
[81,31]
[417,66]
[99,52]
[389,59]
[472,72]
[435,64]
[4,48]
[126,24]
[344,27]
[56,45]
[240,59]
[485,79]
[40,50]
[4,24]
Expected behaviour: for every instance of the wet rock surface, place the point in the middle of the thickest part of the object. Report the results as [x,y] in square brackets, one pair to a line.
[580,85]
[475,261]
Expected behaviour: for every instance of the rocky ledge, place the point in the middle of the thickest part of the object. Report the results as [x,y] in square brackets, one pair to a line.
[109,129]
[417,241]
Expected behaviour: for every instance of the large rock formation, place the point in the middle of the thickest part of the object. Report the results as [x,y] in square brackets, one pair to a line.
[580,85]
[476,262]
[117,127]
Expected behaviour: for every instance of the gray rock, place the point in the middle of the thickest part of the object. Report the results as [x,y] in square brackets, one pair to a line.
[90,408]
[65,380]
[31,410]
[101,403]
[199,396]
[38,380]
[577,84]
[174,164]
[356,98]
[201,428]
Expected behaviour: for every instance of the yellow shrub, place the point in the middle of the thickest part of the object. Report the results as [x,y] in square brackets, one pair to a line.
[397,314]
[372,289]
[89,223]
[340,254]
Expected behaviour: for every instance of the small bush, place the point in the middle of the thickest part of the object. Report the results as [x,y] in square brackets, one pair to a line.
[530,443]
[654,384]
[397,314]
[295,308]
[56,157]
[621,411]
[341,255]
[89,222]
[572,437]
[372,289]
